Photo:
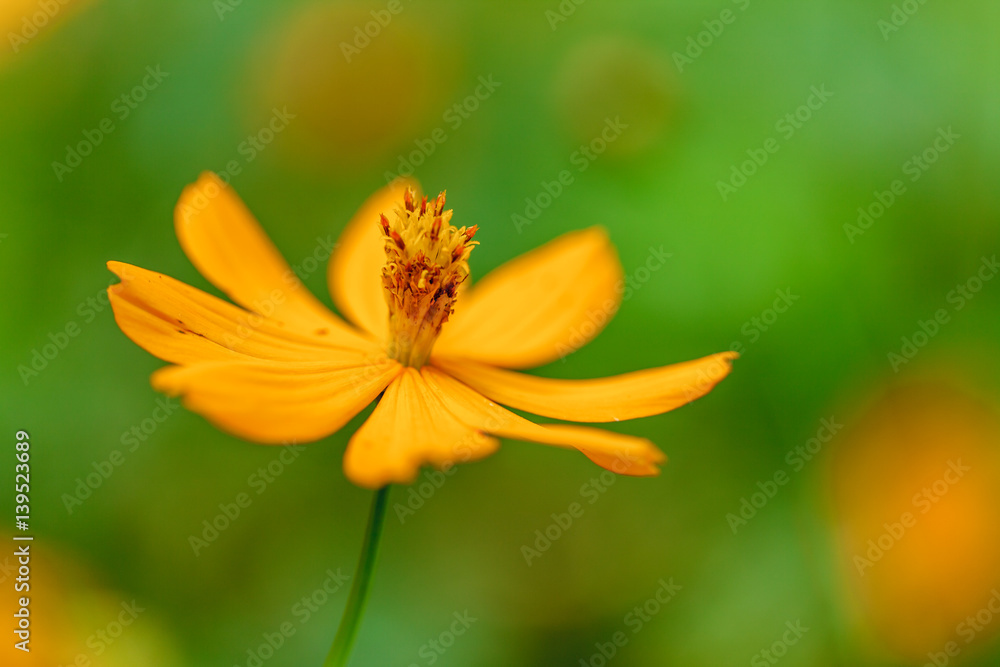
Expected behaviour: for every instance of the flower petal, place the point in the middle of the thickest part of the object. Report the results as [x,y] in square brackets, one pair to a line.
[175,314]
[161,337]
[410,427]
[639,394]
[540,306]
[227,245]
[355,273]
[278,403]
[617,452]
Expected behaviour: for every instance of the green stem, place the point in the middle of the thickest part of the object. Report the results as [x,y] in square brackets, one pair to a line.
[351,621]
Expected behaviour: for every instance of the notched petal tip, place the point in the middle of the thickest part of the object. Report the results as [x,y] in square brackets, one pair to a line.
[126,272]
[598,232]
[719,365]
[617,452]
[116,267]
[628,468]
[164,380]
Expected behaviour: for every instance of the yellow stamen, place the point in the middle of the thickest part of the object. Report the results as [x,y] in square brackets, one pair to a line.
[426,260]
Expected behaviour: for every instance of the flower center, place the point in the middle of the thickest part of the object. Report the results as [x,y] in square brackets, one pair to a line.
[426,260]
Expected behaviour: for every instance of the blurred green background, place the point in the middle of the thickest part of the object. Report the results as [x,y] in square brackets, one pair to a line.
[700,88]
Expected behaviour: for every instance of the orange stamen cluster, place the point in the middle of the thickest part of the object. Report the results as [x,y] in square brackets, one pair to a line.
[426,260]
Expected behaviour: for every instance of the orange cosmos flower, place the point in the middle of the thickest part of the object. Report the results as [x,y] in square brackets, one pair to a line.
[916,506]
[284,368]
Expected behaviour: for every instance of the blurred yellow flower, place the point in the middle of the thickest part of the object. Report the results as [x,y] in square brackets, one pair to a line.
[284,368]
[326,53]
[74,620]
[21,21]
[917,515]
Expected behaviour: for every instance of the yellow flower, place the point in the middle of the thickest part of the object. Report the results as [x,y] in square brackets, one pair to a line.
[283,368]
[22,21]
[915,505]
